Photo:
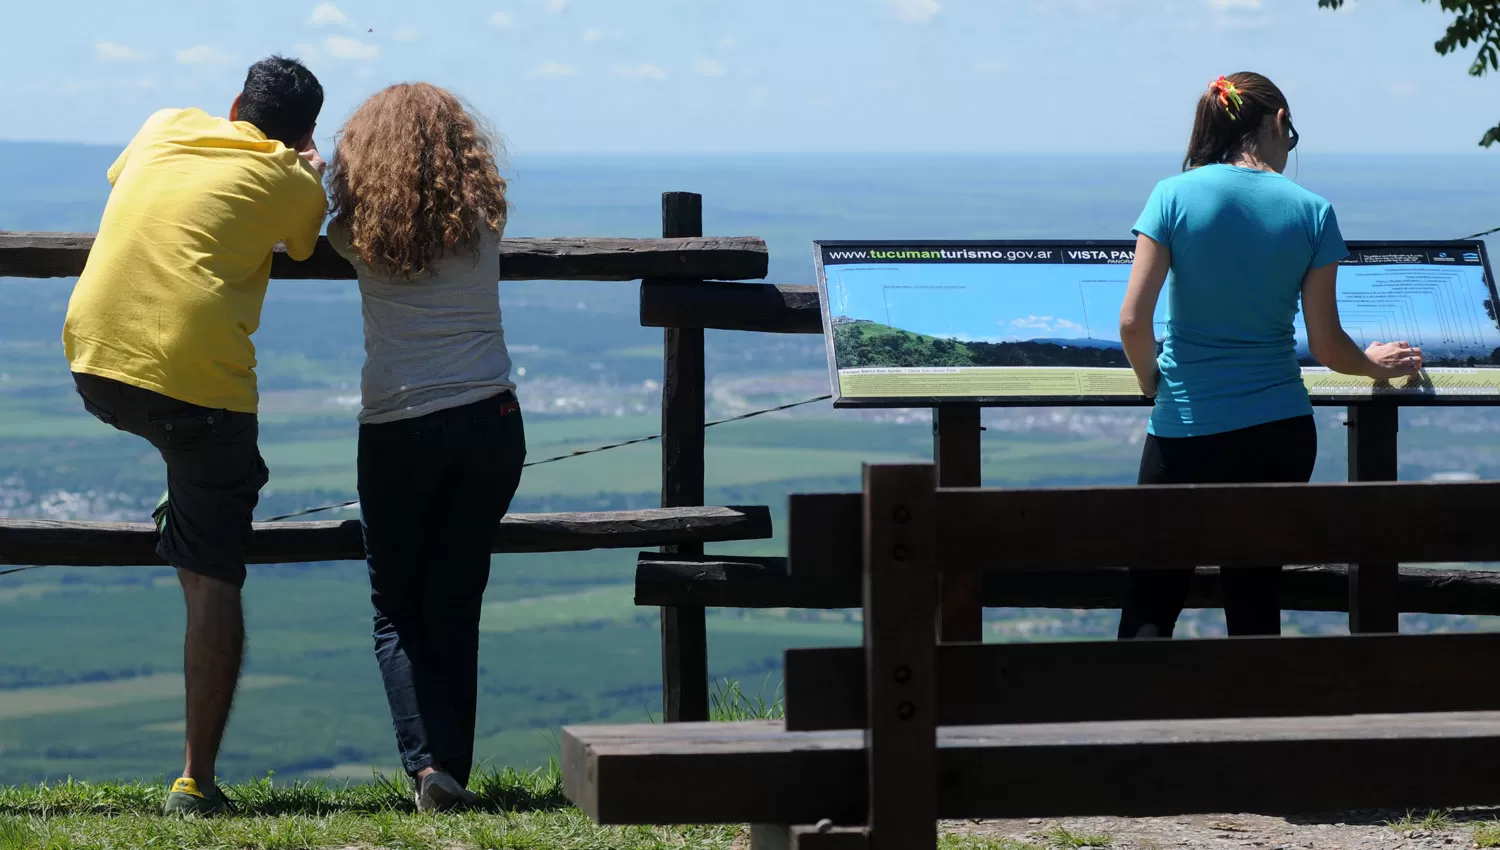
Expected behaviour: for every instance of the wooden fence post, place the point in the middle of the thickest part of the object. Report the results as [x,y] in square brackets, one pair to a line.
[684,638]
[956,432]
[900,596]
[1372,457]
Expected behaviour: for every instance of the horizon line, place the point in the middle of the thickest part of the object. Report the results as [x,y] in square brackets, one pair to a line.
[966,152]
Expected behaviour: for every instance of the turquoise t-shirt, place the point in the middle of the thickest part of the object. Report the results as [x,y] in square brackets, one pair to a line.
[1241,241]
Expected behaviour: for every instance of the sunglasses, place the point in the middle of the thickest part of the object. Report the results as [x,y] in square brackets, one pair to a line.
[1291,136]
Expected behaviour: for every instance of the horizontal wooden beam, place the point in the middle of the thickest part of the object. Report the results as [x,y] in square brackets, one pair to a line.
[97,544]
[720,582]
[710,581]
[979,684]
[758,772]
[24,254]
[1220,525]
[766,307]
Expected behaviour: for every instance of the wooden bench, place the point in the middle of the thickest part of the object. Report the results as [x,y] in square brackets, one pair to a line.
[883,740]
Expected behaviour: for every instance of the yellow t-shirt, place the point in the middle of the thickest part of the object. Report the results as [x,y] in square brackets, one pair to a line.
[174,284]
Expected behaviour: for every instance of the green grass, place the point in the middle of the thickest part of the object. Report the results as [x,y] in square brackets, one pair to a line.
[728,702]
[1060,837]
[1486,835]
[521,809]
[1434,820]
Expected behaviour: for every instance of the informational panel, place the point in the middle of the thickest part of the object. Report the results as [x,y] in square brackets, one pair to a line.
[912,324]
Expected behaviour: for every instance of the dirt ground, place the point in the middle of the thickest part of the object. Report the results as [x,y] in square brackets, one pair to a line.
[1343,831]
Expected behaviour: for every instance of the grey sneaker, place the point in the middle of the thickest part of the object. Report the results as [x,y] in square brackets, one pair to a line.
[440,792]
[185,798]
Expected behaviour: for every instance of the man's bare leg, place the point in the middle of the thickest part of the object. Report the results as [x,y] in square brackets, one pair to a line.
[212,653]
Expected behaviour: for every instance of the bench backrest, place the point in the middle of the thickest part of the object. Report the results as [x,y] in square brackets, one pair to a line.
[903,683]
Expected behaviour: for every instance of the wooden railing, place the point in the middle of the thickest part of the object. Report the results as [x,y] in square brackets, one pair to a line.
[64,254]
[680,261]
[128,544]
[690,283]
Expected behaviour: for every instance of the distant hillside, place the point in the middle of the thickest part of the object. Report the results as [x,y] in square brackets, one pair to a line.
[871,344]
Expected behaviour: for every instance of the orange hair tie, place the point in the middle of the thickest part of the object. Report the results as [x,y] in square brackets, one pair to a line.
[1229,96]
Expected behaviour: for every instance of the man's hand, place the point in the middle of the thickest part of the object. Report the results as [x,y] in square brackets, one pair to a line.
[310,155]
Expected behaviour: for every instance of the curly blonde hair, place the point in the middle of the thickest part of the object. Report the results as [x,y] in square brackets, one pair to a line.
[414,177]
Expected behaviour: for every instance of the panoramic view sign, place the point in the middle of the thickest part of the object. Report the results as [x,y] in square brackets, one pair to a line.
[1010,323]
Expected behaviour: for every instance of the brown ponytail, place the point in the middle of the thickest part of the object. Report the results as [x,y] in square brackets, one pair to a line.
[1227,122]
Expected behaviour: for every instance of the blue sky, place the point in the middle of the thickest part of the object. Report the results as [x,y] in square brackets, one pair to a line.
[986,303]
[668,76]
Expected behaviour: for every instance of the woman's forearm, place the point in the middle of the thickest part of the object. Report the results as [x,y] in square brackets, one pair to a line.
[1341,354]
[1140,349]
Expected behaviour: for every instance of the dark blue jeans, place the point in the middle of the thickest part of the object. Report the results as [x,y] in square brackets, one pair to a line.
[432,491]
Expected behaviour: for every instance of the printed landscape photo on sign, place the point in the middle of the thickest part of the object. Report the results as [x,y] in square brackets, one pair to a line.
[912,324]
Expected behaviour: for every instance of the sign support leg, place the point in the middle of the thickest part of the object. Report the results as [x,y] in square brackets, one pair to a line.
[1372,457]
[955,450]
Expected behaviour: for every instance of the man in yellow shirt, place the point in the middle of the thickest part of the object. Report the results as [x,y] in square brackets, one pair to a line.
[158,338]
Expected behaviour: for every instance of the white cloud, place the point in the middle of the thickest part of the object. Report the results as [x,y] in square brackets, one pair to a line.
[593,34]
[553,69]
[556,6]
[643,71]
[306,52]
[326,14]
[202,54]
[922,11]
[109,51]
[502,20]
[1045,324]
[1238,14]
[406,34]
[343,47]
[709,68]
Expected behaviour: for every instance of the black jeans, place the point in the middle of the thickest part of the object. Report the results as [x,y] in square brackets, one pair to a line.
[1276,452]
[432,491]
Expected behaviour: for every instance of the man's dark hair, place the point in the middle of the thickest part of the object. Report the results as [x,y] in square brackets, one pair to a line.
[282,98]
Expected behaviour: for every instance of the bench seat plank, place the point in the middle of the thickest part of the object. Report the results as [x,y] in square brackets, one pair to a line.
[757,772]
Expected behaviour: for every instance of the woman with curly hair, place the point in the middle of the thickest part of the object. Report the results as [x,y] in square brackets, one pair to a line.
[418,209]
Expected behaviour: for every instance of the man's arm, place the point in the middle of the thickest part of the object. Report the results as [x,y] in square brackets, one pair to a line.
[309,215]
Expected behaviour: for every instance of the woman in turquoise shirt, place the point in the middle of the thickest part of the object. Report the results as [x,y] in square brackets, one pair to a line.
[1236,244]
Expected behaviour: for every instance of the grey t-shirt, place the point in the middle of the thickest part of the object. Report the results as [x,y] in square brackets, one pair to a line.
[432,342]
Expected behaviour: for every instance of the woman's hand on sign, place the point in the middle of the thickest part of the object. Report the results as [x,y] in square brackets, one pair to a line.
[1395,358]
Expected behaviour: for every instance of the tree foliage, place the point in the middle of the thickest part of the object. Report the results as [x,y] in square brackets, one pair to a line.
[1477,22]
